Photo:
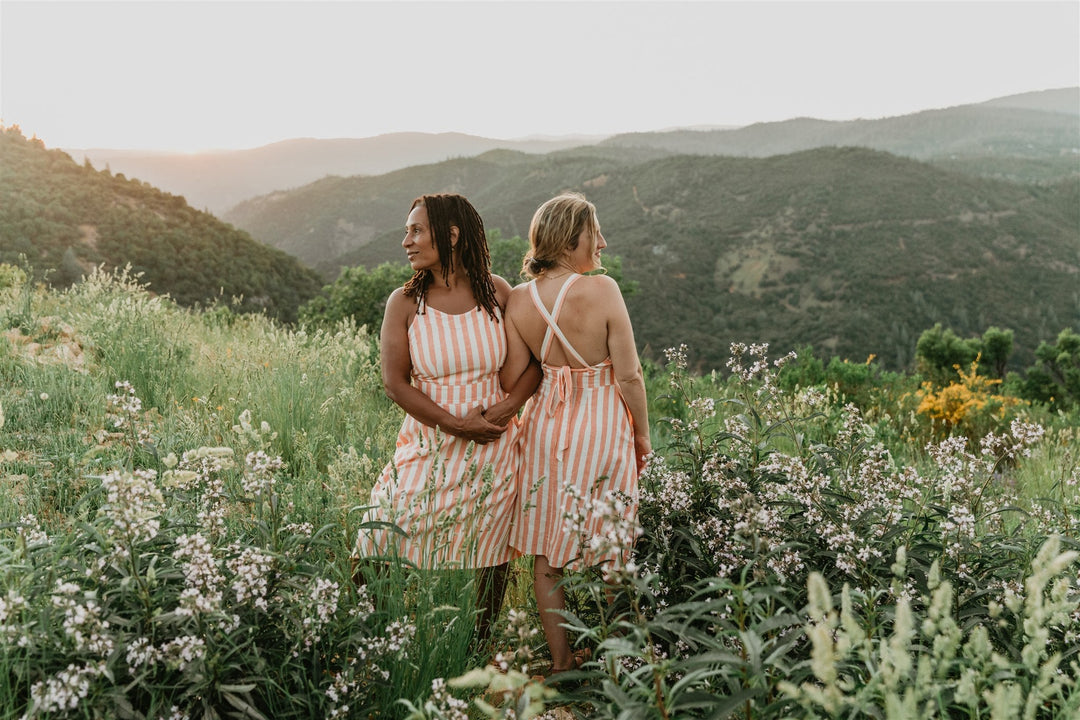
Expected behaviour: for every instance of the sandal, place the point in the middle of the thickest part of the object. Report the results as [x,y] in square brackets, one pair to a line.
[579,658]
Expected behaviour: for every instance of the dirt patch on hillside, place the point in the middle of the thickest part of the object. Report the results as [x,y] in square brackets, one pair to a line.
[52,342]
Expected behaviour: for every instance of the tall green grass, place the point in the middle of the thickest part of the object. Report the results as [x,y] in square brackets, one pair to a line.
[154,564]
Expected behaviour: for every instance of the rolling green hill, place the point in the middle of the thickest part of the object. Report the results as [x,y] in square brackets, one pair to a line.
[67,218]
[852,250]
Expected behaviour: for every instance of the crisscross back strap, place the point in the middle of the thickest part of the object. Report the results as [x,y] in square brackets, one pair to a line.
[553,327]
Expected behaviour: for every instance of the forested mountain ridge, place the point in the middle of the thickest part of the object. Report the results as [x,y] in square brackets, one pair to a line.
[1020,137]
[66,218]
[851,250]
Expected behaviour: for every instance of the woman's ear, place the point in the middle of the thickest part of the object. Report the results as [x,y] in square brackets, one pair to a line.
[454,232]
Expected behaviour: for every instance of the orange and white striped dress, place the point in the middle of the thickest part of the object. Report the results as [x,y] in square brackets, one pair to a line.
[452,498]
[577,450]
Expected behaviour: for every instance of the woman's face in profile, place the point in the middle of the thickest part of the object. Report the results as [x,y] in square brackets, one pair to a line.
[419,243]
[586,256]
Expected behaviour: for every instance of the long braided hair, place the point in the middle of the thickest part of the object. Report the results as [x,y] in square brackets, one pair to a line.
[444,211]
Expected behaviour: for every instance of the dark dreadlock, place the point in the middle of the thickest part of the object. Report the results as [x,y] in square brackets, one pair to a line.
[444,211]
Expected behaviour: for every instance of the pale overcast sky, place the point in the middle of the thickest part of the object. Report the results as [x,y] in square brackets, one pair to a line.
[192,75]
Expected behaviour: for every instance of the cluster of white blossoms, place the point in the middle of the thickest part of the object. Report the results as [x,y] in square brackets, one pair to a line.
[83,623]
[676,358]
[1016,443]
[519,633]
[665,488]
[177,653]
[446,705]
[123,408]
[961,482]
[203,470]
[260,437]
[202,579]
[728,516]
[12,607]
[322,602]
[342,686]
[396,639]
[133,503]
[874,491]
[182,651]
[606,528]
[260,469]
[251,570]
[63,692]
[759,372]
[30,531]
[362,667]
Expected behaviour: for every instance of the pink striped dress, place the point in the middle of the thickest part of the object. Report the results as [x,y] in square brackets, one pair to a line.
[452,498]
[577,451]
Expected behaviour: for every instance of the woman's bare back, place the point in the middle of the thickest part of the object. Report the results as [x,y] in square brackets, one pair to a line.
[582,318]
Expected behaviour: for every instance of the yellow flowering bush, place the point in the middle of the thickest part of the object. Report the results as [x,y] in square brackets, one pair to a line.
[967,406]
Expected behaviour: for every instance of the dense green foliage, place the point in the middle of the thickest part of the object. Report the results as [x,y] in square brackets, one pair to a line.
[66,219]
[939,351]
[853,251]
[358,293]
[1055,377]
[178,544]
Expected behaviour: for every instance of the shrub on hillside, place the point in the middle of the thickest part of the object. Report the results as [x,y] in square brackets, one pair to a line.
[780,577]
[1055,377]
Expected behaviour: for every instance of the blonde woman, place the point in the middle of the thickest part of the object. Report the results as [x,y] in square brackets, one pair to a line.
[585,434]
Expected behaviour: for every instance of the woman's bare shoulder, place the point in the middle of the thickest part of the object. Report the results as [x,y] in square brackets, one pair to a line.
[598,284]
[502,288]
[399,303]
[519,296]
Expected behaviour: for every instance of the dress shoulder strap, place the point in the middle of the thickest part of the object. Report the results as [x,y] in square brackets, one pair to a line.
[550,319]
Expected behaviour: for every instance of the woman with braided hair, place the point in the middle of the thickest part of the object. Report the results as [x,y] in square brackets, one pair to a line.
[449,487]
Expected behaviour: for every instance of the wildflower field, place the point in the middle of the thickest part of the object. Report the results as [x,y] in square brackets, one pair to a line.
[180,491]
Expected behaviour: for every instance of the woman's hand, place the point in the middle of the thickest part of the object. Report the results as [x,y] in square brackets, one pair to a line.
[477,428]
[502,412]
[642,450]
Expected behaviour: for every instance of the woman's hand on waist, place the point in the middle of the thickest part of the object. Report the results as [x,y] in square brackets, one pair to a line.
[477,428]
[502,412]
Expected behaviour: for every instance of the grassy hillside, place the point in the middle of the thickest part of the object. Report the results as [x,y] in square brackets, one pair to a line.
[176,540]
[66,218]
[851,250]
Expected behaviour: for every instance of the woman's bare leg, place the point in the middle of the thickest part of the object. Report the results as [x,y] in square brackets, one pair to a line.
[549,596]
[491,587]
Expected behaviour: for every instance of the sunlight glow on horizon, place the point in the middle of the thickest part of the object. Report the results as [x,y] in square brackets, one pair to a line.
[196,77]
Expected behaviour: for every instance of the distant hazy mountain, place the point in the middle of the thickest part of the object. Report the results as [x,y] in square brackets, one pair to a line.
[1030,126]
[1033,136]
[220,179]
[852,250]
[1062,100]
[65,218]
